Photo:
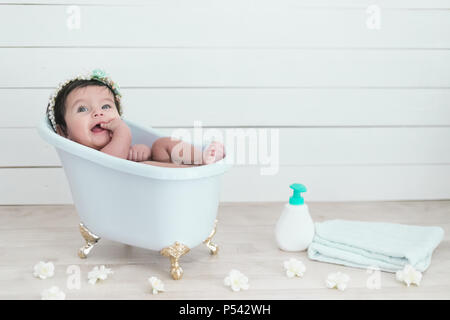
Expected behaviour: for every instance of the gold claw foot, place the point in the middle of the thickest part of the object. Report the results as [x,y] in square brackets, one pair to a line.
[213,248]
[91,240]
[174,252]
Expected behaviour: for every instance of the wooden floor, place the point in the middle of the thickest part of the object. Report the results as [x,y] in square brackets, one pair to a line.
[246,239]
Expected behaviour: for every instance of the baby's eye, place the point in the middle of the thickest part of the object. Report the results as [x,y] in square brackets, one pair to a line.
[81,109]
[106,106]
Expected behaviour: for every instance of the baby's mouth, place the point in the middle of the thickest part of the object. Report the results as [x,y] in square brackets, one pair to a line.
[97,128]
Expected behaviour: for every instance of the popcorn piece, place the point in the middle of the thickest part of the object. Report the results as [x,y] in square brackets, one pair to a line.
[236,280]
[409,275]
[337,280]
[44,270]
[156,284]
[294,268]
[54,293]
[98,274]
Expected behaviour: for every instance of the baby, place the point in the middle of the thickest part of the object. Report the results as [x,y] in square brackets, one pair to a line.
[87,110]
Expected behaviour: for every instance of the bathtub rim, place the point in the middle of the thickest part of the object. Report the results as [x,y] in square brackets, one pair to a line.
[126,166]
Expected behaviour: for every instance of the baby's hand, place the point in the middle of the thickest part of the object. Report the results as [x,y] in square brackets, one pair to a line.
[113,124]
[139,152]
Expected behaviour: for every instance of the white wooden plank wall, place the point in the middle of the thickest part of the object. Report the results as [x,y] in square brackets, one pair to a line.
[363,113]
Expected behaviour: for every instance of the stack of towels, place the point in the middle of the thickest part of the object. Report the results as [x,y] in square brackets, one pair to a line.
[387,246]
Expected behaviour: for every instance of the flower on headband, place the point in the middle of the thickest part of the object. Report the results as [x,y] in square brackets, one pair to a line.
[115,88]
[98,73]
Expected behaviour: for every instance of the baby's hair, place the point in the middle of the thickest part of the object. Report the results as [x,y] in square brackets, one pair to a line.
[60,100]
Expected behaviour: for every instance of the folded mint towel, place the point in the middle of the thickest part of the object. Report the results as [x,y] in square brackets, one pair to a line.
[388,246]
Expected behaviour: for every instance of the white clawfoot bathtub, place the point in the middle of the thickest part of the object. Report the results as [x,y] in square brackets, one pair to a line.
[166,209]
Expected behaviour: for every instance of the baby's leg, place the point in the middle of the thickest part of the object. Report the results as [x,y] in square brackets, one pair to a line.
[163,151]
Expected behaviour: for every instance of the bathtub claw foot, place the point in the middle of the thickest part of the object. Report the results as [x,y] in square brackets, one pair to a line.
[174,252]
[91,240]
[213,248]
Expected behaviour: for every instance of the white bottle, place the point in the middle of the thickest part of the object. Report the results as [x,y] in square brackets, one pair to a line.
[294,230]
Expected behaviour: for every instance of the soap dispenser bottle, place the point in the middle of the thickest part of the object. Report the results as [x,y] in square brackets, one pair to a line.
[294,230]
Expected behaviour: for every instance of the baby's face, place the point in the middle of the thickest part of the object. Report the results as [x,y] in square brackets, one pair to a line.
[86,108]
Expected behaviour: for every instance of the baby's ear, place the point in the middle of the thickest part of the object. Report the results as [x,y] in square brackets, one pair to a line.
[60,131]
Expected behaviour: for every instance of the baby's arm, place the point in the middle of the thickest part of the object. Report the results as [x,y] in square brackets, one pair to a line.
[120,143]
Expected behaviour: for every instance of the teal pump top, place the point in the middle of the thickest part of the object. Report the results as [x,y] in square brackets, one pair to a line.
[296,198]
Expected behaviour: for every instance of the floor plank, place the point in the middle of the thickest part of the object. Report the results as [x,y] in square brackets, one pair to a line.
[245,235]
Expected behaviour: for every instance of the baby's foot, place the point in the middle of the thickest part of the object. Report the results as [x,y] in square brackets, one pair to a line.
[213,153]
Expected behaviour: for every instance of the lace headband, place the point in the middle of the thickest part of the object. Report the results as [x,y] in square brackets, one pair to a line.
[97,74]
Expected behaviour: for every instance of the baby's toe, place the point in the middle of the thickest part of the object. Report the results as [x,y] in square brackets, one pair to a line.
[209,154]
[220,151]
[214,152]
